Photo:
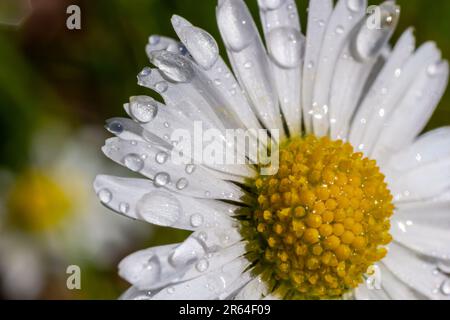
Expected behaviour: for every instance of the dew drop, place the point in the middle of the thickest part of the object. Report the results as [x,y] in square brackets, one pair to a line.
[202,265]
[355,5]
[143,109]
[247,65]
[124,207]
[285,47]
[171,290]
[196,220]
[145,72]
[233,19]
[161,179]
[115,127]
[272,4]
[161,87]
[432,70]
[190,168]
[371,38]
[161,157]
[201,45]
[158,207]
[174,66]
[154,40]
[182,184]
[105,196]
[445,287]
[133,162]
[339,30]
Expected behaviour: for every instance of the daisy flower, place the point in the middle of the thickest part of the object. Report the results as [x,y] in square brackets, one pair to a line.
[49,221]
[358,204]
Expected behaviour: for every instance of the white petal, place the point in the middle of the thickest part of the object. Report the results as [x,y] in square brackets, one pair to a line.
[249,60]
[413,112]
[210,286]
[423,226]
[358,61]
[254,290]
[157,43]
[141,199]
[285,44]
[148,269]
[429,241]
[200,45]
[421,183]
[338,28]
[134,293]
[168,173]
[395,82]
[420,274]
[428,148]
[362,292]
[318,16]
[401,53]
[183,71]
[394,287]
[173,131]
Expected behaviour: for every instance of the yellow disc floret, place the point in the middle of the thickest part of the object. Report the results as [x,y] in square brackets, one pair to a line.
[321,221]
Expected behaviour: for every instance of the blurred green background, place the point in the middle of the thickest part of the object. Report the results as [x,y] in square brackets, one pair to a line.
[82,77]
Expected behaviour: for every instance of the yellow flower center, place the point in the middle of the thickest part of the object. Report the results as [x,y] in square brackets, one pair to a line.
[37,203]
[321,221]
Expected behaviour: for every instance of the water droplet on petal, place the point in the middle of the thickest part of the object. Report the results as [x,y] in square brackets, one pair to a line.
[176,67]
[247,65]
[445,287]
[143,109]
[355,5]
[371,38]
[115,127]
[124,207]
[272,4]
[145,72]
[190,168]
[196,220]
[171,290]
[161,87]
[161,208]
[154,40]
[285,47]
[339,30]
[161,157]
[182,184]
[161,179]
[201,45]
[202,265]
[105,196]
[133,162]
[235,24]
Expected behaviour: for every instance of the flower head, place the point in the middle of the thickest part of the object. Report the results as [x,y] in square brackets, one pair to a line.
[343,110]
